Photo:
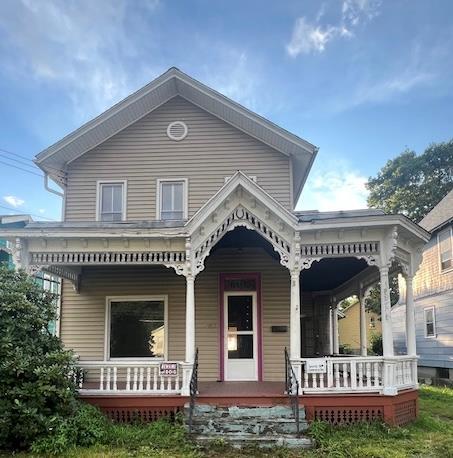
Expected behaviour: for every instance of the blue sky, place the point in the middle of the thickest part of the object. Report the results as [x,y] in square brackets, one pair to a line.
[361,79]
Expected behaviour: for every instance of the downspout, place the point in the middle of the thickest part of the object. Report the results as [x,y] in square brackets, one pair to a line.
[58,193]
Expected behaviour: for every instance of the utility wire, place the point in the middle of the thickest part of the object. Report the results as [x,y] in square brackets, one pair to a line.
[24,170]
[19,161]
[2,150]
[31,214]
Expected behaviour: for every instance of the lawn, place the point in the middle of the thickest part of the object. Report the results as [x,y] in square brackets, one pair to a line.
[430,436]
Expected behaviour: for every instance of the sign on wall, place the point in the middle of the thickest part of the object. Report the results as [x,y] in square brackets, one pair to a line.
[168,369]
[316,366]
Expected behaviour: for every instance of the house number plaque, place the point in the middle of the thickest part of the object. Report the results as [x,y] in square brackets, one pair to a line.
[316,366]
[168,369]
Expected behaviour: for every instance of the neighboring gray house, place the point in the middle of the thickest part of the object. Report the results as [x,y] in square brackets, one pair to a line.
[433,292]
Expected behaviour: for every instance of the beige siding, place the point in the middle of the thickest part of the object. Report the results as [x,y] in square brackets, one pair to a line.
[83,315]
[142,153]
[429,279]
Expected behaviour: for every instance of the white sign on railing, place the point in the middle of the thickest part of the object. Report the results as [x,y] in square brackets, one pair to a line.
[316,366]
[168,369]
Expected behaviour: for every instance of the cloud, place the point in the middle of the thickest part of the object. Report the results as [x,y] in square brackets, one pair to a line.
[310,37]
[335,188]
[14,201]
[81,46]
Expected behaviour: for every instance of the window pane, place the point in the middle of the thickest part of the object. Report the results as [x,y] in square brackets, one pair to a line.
[429,329]
[106,200]
[429,316]
[445,248]
[240,313]
[177,196]
[166,196]
[137,329]
[171,215]
[117,198]
[240,346]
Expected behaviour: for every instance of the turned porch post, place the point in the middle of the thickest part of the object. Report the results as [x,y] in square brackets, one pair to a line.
[410,318]
[190,318]
[363,330]
[386,315]
[294,318]
[335,335]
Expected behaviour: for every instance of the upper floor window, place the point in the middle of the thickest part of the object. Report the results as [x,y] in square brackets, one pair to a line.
[172,199]
[430,322]
[112,201]
[445,249]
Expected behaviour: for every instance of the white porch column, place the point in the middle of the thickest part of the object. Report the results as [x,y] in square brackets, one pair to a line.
[410,318]
[386,316]
[294,317]
[336,340]
[363,330]
[190,318]
[330,331]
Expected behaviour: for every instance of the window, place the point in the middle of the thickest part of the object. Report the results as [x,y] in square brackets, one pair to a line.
[172,199]
[430,322]
[137,327]
[445,251]
[111,201]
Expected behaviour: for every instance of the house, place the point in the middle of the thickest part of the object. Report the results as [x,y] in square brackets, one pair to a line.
[433,295]
[349,327]
[180,233]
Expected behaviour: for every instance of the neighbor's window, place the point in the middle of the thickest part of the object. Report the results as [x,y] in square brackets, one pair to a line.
[172,199]
[111,201]
[430,322]
[137,328]
[445,249]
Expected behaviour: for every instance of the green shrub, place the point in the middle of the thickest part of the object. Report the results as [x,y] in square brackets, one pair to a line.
[88,426]
[36,383]
[376,344]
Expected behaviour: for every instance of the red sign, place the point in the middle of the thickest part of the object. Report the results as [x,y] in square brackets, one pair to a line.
[168,369]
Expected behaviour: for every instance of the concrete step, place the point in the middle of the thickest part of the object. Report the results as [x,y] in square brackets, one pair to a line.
[258,426]
[209,411]
[264,441]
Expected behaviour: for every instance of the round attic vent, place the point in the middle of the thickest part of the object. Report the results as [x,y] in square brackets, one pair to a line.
[177,131]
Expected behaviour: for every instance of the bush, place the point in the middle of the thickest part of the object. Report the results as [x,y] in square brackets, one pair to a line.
[376,344]
[88,426]
[36,373]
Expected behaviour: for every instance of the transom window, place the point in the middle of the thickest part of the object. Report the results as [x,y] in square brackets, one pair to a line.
[137,327]
[445,249]
[430,322]
[111,201]
[172,199]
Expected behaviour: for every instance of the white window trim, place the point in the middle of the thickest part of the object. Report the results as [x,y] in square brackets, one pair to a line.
[434,322]
[109,300]
[99,184]
[185,195]
[449,269]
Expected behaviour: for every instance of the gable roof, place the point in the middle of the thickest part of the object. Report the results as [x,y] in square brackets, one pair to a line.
[440,214]
[172,83]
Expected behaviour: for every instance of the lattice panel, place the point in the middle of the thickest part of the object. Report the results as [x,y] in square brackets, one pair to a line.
[141,415]
[405,412]
[347,416]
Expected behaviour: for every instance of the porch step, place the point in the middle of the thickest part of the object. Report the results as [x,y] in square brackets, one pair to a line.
[266,441]
[262,426]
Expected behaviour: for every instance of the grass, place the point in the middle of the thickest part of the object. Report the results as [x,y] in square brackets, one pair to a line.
[430,436]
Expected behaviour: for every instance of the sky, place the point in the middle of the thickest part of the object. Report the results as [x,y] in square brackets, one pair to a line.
[361,79]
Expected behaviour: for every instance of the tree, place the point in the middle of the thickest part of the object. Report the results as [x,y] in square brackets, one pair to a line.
[373,298]
[412,184]
[36,373]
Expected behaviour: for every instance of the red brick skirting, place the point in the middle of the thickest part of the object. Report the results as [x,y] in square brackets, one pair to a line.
[335,409]
[394,410]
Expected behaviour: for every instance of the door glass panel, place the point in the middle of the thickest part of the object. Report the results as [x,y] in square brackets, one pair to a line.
[240,313]
[241,346]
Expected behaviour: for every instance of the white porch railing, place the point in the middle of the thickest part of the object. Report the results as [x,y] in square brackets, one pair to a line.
[357,374]
[132,377]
